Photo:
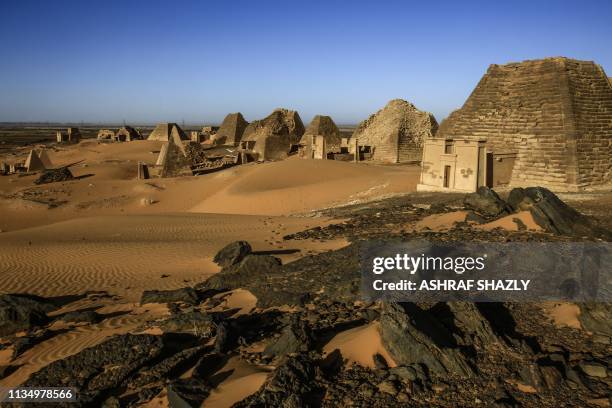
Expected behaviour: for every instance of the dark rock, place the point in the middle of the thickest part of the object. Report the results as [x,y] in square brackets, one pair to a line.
[86,316]
[166,367]
[185,295]
[24,343]
[294,338]
[193,322]
[111,402]
[332,364]
[187,393]
[473,217]
[22,312]
[232,253]
[369,314]
[596,317]
[292,384]
[225,339]
[208,365]
[89,372]
[54,176]
[552,214]
[6,370]
[486,202]
[252,267]
[467,322]
[380,362]
[594,370]
[414,336]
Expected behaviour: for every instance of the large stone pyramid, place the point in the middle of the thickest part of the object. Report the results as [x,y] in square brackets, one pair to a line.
[395,133]
[166,131]
[555,114]
[272,138]
[321,126]
[231,130]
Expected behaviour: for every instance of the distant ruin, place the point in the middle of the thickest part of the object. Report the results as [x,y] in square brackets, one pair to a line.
[127,134]
[321,139]
[545,122]
[394,134]
[124,134]
[275,136]
[166,131]
[231,130]
[71,135]
[105,134]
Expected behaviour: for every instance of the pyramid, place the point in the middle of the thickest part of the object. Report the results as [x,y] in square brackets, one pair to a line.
[321,126]
[173,159]
[164,131]
[44,158]
[554,114]
[395,134]
[33,162]
[271,138]
[231,130]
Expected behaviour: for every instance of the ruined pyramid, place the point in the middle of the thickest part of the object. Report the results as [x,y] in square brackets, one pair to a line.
[323,126]
[555,114]
[165,131]
[271,138]
[231,130]
[395,133]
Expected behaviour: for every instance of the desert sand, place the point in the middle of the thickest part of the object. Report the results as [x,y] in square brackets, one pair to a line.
[114,233]
[109,233]
[359,345]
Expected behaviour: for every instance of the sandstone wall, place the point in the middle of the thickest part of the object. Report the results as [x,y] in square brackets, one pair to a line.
[554,113]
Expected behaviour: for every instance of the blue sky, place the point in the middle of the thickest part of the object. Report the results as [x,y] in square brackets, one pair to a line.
[150,61]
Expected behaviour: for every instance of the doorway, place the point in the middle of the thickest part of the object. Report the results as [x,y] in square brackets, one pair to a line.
[447,174]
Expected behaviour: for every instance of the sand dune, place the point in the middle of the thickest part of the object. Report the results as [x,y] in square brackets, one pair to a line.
[295,186]
[109,187]
[126,255]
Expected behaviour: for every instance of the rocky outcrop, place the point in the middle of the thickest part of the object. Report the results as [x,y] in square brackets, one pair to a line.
[395,134]
[413,336]
[54,176]
[22,312]
[295,337]
[252,267]
[291,385]
[552,214]
[486,202]
[124,354]
[232,253]
[184,295]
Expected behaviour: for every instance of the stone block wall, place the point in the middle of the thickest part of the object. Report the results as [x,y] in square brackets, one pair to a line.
[553,113]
